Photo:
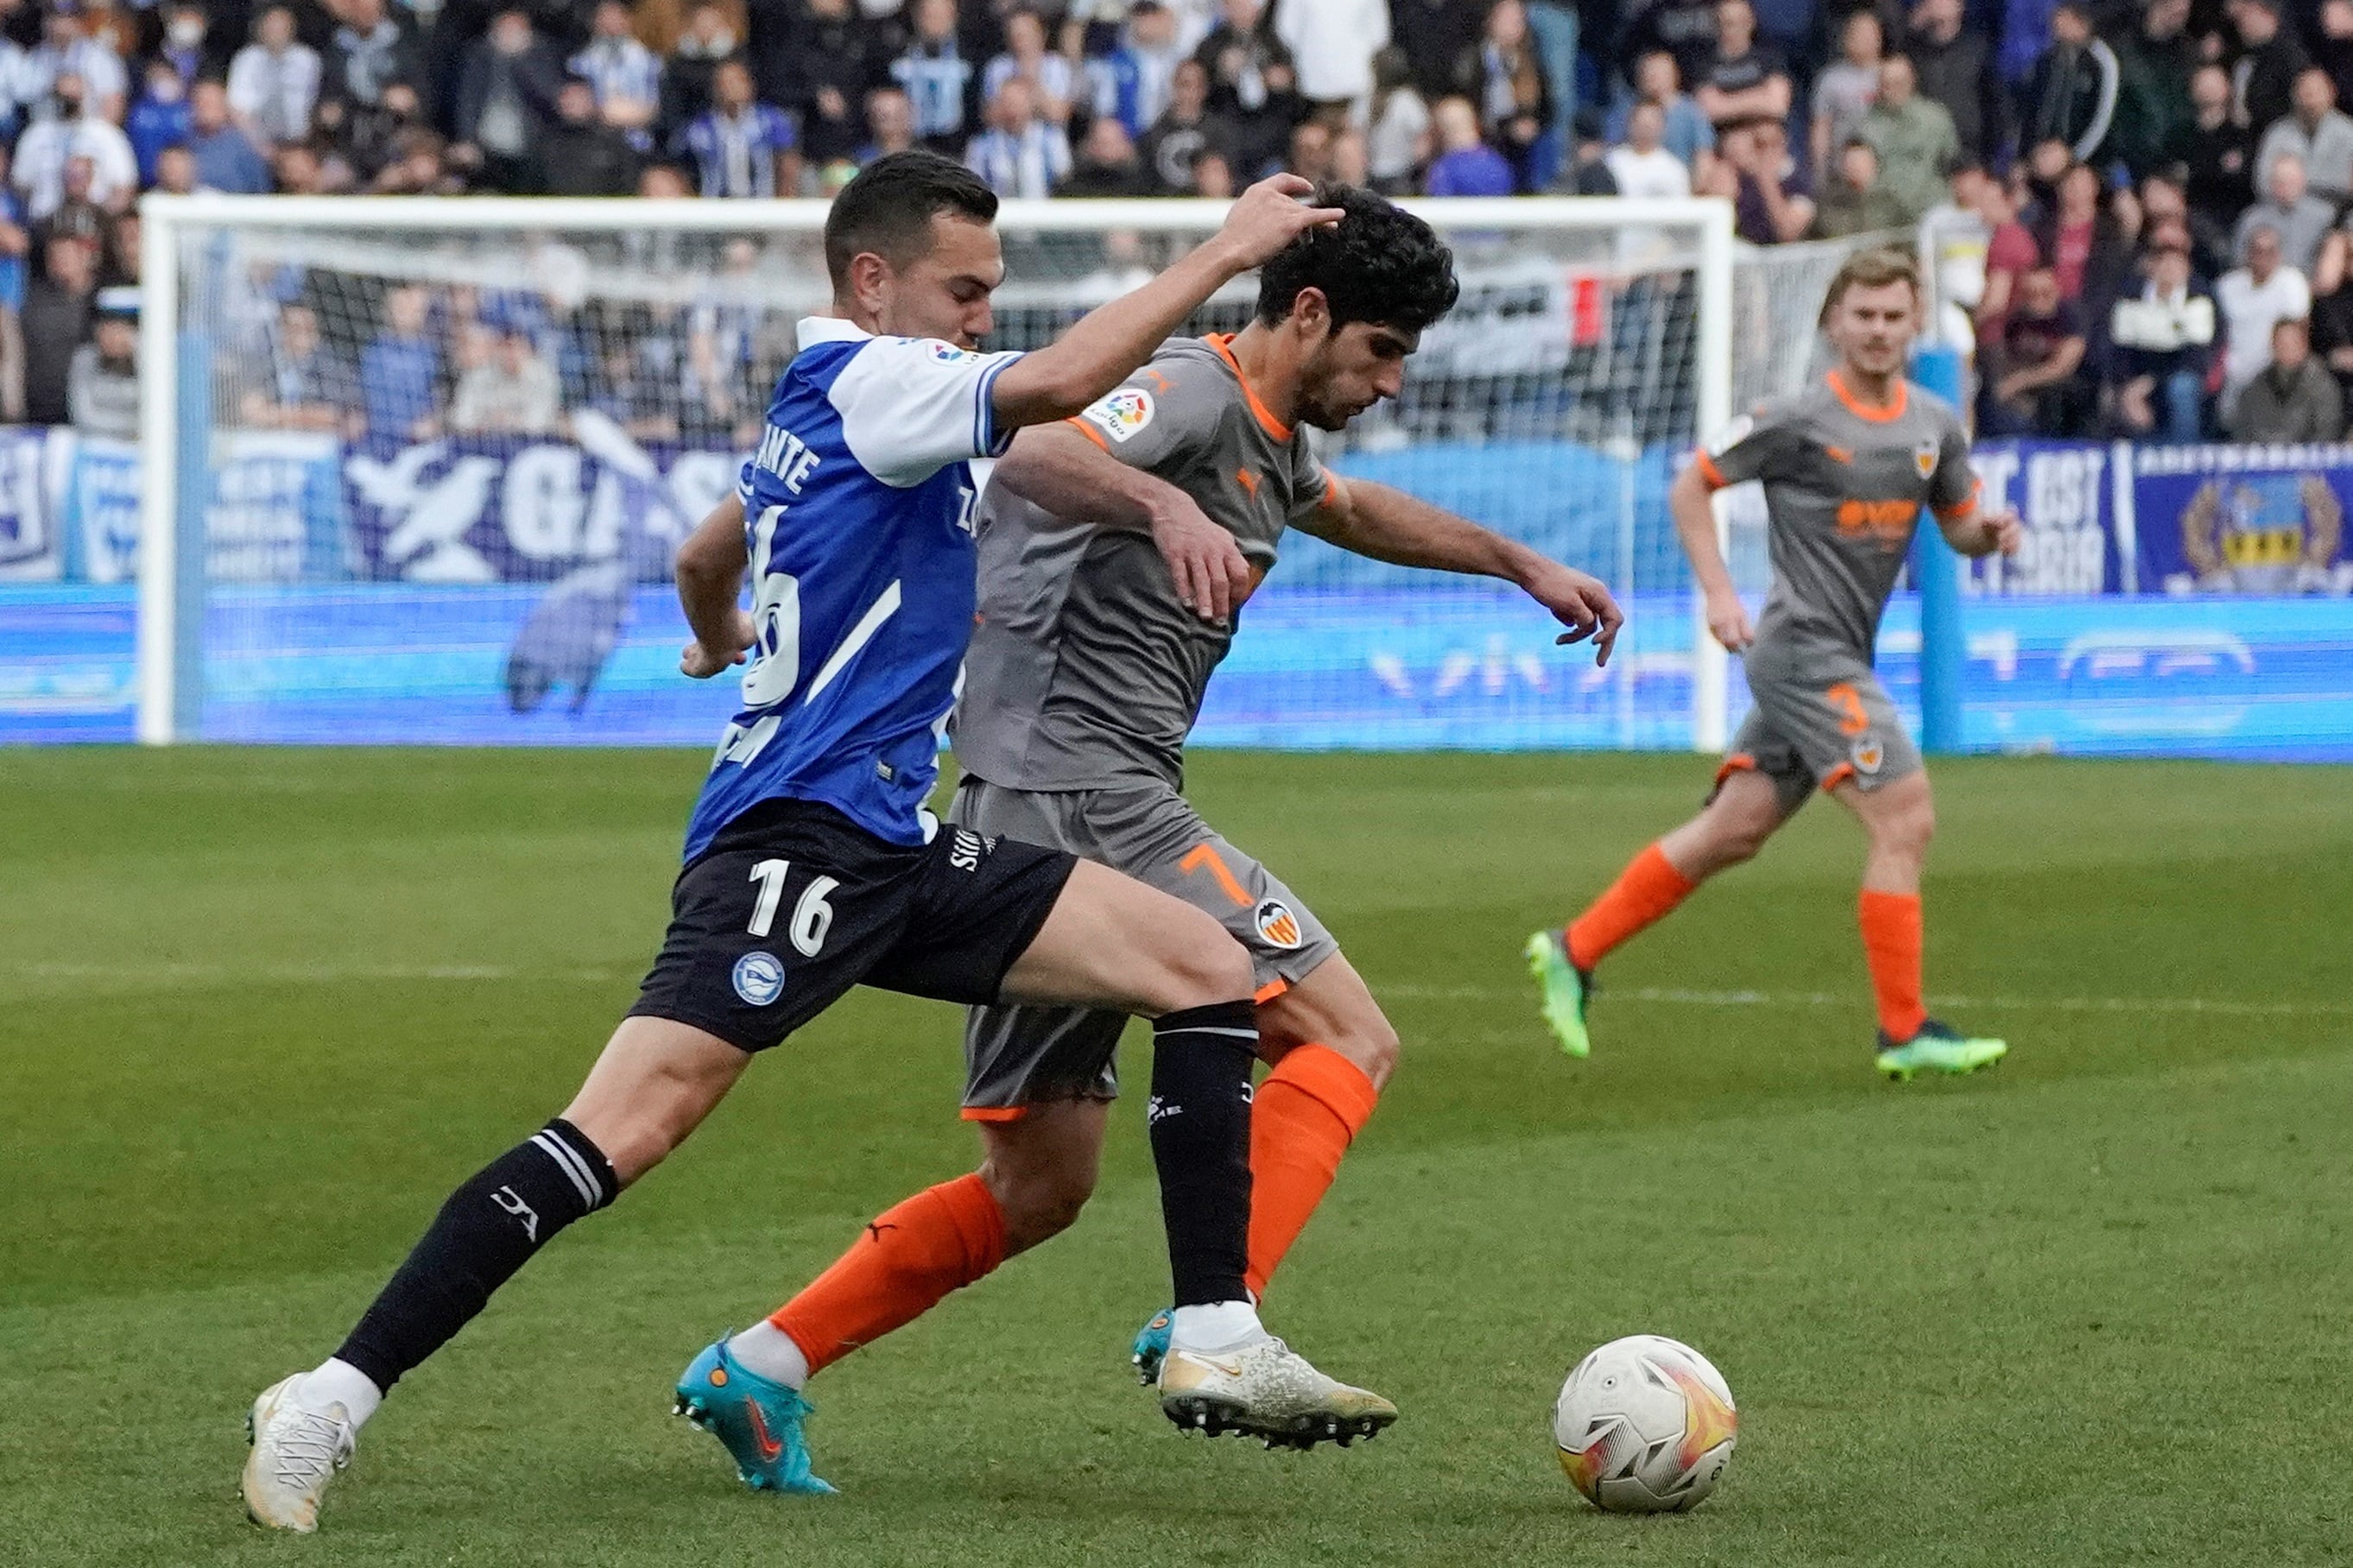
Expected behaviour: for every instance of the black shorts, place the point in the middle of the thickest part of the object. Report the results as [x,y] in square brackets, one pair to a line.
[794,904]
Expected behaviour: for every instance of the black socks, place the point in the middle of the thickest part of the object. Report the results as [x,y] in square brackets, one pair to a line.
[490,1229]
[1200,1117]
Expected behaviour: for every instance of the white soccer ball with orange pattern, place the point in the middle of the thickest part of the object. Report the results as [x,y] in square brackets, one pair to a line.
[1645,1424]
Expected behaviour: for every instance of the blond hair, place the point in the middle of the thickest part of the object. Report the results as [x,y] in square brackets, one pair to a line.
[1875,268]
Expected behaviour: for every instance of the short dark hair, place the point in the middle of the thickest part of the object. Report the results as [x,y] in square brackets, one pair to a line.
[889,207]
[1379,263]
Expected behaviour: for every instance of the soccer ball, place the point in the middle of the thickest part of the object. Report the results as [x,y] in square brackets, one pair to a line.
[1645,1425]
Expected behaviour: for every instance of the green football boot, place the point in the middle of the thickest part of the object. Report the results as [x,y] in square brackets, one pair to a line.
[1566,989]
[1936,1048]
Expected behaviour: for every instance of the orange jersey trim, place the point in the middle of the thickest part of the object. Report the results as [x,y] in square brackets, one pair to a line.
[994,1112]
[1267,421]
[1739,762]
[1712,476]
[1961,508]
[1088,430]
[1882,414]
[1836,776]
[1270,990]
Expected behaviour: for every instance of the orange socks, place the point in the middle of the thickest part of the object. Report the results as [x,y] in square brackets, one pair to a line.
[1645,892]
[1306,1113]
[939,1240]
[1890,944]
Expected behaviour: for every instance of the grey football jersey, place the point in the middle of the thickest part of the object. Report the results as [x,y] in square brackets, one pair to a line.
[1844,484]
[1085,669]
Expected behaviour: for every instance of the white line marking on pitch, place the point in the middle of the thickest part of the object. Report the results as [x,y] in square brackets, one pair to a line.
[1677,996]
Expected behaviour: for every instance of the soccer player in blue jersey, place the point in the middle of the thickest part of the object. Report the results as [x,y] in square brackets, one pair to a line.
[812,865]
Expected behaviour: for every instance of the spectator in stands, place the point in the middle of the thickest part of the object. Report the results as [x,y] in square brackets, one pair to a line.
[583,155]
[67,48]
[2317,133]
[76,213]
[622,73]
[1955,67]
[159,119]
[1109,164]
[1351,163]
[1954,239]
[2081,243]
[512,392]
[16,247]
[638,374]
[175,171]
[1398,137]
[56,319]
[1641,166]
[743,149]
[1213,178]
[2332,331]
[1772,201]
[1309,156]
[2164,341]
[1744,79]
[308,387]
[507,90]
[1332,45]
[1505,77]
[2332,49]
[939,82]
[1131,81]
[2033,384]
[1184,132]
[1247,62]
[274,82]
[2154,67]
[1845,90]
[1466,165]
[2254,299]
[1432,35]
[1053,85]
[2216,153]
[2300,219]
[1020,155]
[77,132]
[2070,95]
[376,47]
[2293,398]
[102,379]
[1914,139]
[1684,29]
[1690,135]
[187,44]
[830,66]
[889,123]
[2262,81]
[400,371]
[1854,200]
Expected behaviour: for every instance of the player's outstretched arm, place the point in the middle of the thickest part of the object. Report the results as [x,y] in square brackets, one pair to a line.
[710,581]
[1688,503]
[1109,341]
[1057,469]
[1386,524]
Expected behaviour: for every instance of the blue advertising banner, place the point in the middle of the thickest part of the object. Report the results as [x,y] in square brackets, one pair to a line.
[2249,521]
[31,548]
[2078,541]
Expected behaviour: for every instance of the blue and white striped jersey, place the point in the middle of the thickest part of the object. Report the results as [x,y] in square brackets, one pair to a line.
[857,513]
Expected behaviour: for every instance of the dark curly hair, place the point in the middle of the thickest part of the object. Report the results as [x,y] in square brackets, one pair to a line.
[1380,264]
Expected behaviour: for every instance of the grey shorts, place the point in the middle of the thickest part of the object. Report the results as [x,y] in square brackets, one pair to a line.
[1015,1057]
[1822,720]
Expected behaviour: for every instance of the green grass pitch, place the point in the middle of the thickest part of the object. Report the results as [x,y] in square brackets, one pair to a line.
[261,1009]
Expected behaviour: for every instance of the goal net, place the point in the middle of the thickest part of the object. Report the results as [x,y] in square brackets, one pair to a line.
[412,472]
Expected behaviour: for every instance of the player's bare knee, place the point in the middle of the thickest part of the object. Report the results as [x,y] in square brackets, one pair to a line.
[1907,827]
[1371,1043]
[1039,1204]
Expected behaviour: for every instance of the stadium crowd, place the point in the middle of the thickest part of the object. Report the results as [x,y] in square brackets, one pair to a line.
[2136,209]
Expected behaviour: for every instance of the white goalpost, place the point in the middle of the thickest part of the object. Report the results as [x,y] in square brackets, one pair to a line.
[410,468]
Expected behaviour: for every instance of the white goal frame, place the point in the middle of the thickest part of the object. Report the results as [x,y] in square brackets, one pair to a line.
[166,602]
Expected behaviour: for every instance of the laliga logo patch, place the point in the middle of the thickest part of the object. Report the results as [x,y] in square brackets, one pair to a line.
[1867,754]
[759,978]
[948,353]
[1923,456]
[1122,414]
[1276,924]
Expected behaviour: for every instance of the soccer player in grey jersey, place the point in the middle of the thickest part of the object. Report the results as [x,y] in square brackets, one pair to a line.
[1115,549]
[1847,467]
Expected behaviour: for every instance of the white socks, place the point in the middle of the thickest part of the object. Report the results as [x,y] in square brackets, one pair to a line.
[340,1383]
[765,1351]
[1227,1325]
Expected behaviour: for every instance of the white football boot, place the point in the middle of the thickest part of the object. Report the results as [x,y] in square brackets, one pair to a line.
[296,1452]
[1267,1390]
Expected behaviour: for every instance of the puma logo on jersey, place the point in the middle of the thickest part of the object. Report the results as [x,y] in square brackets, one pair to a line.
[1838,454]
[1248,480]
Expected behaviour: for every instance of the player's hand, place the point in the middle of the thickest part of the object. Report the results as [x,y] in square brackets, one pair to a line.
[1268,216]
[700,663]
[1213,576]
[1581,603]
[2006,532]
[1727,622]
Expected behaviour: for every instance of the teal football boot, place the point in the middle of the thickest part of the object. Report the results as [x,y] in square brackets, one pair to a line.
[758,1422]
[1565,988]
[1151,1346]
[1936,1048]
